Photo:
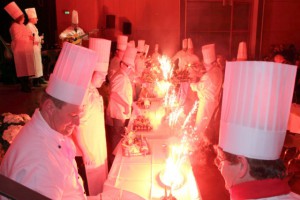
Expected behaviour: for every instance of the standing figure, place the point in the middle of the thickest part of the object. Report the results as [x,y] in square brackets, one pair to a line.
[180,54]
[209,93]
[42,156]
[21,45]
[242,52]
[37,45]
[120,101]
[73,34]
[90,134]
[140,66]
[253,127]
[114,64]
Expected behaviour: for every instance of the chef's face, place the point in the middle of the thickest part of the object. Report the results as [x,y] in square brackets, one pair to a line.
[64,119]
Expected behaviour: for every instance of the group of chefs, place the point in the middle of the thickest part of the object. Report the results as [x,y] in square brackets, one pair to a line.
[71,114]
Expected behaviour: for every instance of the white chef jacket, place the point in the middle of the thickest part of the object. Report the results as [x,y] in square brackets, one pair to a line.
[69,32]
[208,91]
[289,196]
[113,67]
[140,65]
[120,88]
[22,48]
[43,160]
[92,132]
[38,66]
[179,55]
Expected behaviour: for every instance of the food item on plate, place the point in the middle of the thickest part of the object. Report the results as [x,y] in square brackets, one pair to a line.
[141,123]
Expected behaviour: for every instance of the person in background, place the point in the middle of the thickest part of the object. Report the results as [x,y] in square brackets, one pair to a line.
[73,34]
[90,134]
[209,93]
[251,137]
[42,156]
[21,45]
[120,101]
[156,55]
[180,54]
[140,66]
[37,45]
[114,64]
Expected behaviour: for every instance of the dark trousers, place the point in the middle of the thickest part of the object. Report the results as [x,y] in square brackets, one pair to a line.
[114,136]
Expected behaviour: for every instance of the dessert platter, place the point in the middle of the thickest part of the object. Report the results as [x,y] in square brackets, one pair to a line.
[141,123]
[134,144]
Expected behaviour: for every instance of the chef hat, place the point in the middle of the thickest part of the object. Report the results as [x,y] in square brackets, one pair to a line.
[31,13]
[255,108]
[13,10]
[129,56]
[209,54]
[75,17]
[190,43]
[141,46]
[131,43]
[146,49]
[102,48]
[72,73]
[122,42]
[156,47]
[184,43]
[242,51]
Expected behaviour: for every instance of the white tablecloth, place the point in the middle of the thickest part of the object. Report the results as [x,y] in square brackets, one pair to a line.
[294,119]
[140,174]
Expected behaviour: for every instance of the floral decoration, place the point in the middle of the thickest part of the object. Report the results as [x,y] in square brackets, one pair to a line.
[10,126]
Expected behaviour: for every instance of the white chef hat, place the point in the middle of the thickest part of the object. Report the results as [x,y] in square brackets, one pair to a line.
[141,46]
[131,43]
[75,19]
[31,13]
[146,49]
[255,108]
[122,42]
[102,48]
[129,56]
[13,10]
[156,47]
[184,43]
[190,43]
[72,73]
[209,54]
[242,51]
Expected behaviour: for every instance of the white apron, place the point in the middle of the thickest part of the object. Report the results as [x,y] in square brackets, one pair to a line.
[22,48]
[38,66]
[92,130]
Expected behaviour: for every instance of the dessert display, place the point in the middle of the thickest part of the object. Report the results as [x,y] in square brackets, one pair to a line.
[143,103]
[141,123]
[134,144]
[181,75]
[152,74]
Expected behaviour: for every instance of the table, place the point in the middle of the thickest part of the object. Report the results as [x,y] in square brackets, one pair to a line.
[140,174]
[294,119]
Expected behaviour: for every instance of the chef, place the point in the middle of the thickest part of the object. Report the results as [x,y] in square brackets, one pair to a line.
[42,156]
[21,45]
[120,100]
[209,93]
[255,111]
[180,54]
[114,64]
[37,45]
[90,134]
[73,34]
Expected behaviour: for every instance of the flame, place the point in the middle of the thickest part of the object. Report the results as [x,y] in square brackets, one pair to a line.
[166,66]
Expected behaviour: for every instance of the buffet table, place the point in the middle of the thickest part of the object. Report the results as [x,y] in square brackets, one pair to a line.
[141,174]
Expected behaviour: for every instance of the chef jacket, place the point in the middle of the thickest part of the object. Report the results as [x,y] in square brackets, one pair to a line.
[92,132]
[43,160]
[113,67]
[120,88]
[38,66]
[22,48]
[179,55]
